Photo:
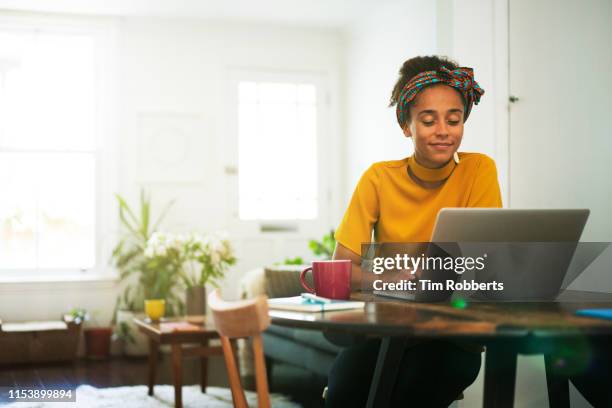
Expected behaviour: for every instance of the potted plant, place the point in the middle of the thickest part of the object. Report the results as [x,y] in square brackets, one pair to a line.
[133,343]
[78,315]
[122,332]
[142,277]
[209,258]
[197,259]
[160,277]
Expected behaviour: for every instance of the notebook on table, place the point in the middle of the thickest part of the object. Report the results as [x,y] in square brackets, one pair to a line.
[299,304]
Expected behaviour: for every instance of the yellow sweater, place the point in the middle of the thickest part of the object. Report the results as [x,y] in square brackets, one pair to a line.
[388,202]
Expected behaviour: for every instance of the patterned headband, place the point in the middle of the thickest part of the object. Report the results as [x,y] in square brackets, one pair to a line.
[462,79]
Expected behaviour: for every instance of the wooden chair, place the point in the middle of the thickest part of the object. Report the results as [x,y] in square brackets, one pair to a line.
[240,319]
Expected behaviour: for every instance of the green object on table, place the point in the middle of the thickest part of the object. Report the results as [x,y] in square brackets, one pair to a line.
[459,303]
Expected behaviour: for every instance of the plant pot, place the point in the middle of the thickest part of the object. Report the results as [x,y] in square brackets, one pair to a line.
[196,300]
[97,342]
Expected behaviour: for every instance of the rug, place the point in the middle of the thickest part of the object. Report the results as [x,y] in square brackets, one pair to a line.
[136,397]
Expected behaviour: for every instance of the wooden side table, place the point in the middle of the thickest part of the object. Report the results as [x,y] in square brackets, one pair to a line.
[178,332]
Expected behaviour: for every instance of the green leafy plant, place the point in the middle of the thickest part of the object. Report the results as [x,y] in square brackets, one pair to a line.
[79,315]
[298,260]
[199,259]
[145,278]
[325,247]
[122,332]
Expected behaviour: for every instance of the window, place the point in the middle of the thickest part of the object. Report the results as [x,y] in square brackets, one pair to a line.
[277,151]
[49,156]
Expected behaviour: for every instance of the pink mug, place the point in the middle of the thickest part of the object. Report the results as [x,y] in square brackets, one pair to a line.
[332,279]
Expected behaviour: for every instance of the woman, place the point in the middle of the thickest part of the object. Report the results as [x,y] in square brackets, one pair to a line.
[398,201]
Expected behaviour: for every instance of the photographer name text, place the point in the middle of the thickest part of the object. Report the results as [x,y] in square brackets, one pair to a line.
[429,285]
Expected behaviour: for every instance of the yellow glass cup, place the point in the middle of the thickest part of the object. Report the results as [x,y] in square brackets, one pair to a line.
[155,308]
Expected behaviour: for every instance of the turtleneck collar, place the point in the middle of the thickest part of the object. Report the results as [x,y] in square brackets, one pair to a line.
[431,175]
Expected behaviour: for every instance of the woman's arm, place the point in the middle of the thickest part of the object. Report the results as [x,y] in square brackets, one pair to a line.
[357,275]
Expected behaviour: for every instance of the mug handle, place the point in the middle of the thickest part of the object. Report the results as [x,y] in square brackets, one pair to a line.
[303,280]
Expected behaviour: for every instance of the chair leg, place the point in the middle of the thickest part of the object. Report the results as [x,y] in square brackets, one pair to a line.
[232,374]
[261,378]
[558,385]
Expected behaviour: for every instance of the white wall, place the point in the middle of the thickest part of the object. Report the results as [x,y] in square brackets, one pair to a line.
[561,145]
[178,67]
[376,48]
[474,33]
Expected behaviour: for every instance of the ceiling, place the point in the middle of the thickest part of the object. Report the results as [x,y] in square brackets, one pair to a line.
[326,13]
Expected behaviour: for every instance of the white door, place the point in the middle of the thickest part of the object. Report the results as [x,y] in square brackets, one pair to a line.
[560,125]
[277,164]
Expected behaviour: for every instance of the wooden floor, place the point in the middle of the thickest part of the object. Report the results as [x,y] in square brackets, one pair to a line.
[123,371]
[111,373]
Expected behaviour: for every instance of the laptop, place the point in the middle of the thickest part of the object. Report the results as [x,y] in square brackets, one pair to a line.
[529,250]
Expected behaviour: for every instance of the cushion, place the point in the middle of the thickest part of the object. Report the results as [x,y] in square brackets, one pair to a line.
[284,280]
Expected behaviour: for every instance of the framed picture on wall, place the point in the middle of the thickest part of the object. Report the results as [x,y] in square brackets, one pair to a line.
[172,147]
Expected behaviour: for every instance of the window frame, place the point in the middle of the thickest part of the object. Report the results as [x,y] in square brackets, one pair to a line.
[325,152]
[104,34]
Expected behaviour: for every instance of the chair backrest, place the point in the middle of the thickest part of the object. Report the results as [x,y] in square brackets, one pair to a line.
[244,318]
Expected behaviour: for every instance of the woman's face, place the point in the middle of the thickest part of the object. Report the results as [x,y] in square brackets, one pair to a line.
[436,125]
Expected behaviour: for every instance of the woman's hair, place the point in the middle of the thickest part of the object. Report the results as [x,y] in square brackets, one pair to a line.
[415,66]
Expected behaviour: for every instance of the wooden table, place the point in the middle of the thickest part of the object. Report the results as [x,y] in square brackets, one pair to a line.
[165,333]
[506,329]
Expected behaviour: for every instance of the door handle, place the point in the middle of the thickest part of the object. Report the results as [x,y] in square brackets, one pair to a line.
[231,170]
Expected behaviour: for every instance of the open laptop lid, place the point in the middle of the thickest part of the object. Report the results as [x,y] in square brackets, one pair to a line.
[509,225]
